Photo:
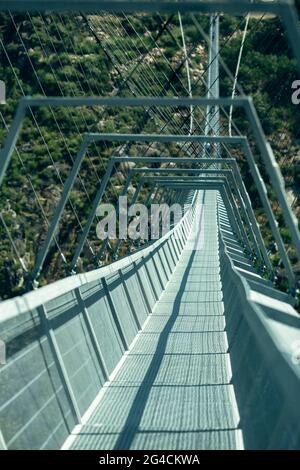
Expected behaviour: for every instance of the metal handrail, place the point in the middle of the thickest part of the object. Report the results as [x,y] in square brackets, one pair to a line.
[13,307]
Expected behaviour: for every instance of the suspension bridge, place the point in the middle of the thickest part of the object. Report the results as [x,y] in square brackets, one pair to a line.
[184,342]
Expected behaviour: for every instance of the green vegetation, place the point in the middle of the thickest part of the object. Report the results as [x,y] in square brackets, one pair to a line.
[71,55]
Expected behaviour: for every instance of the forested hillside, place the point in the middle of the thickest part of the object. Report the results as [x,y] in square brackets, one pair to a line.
[77,55]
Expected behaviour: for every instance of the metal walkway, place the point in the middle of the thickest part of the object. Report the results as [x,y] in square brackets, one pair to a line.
[182,345]
[173,389]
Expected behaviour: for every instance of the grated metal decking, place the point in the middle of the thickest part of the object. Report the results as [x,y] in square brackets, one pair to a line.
[173,389]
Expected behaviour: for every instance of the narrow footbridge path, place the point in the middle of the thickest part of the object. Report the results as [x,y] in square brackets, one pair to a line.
[181,345]
[173,388]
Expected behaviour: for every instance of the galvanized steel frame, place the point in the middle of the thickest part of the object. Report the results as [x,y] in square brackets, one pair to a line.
[284,9]
[246,103]
[234,185]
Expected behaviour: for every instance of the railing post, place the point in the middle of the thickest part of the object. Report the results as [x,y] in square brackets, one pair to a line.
[163,264]
[178,241]
[59,362]
[114,314]
[142,287]
[175,246]
[170,251]
[92,333]
[150,280]
[157,272]
[129,300]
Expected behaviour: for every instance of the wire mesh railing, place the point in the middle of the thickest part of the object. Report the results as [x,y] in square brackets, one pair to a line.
[101,53]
